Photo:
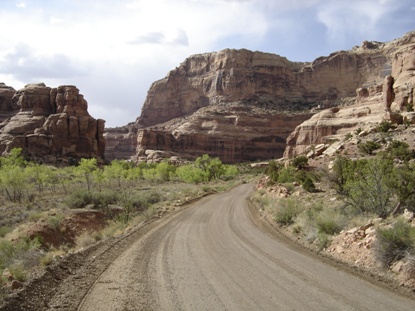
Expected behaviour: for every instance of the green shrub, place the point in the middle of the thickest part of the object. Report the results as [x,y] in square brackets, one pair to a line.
[395,242]
[103,199]
[273,170]
[300,162]
[348,136]
[384,126]
[18,272]
[286,210]
[323,240]
[4,230]
[399,150]
[287,174]
[308,184]
[79,199]
[330,222]
[55,222]
[82,198]
[368,147]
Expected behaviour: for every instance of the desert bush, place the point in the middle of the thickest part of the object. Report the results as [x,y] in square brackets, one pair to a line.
[384,126]
[55,222]
[286,210]
[394,243]
[410,268]
[330,221]
[103,199]
[18,271]
[5,230]
[82,198]
[308,184]
[368,147]
[287,174]
[323,240]
[79,199]
[300,162]
[273,170]
[399,150]
[16,253]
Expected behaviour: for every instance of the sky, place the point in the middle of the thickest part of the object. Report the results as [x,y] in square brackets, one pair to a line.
[113,50]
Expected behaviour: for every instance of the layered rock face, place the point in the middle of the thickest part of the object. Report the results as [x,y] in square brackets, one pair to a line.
[52,124]
[193,109]
[269,93]
[7,107]
[121,142]
[233,132]
[387,99]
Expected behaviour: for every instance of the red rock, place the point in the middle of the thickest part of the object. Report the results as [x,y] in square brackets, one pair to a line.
[52,123]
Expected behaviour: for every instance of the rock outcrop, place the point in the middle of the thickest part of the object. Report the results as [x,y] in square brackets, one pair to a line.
[120,142]
[7,107]
[52,124]
[233,132]
[193,109]
[391,99]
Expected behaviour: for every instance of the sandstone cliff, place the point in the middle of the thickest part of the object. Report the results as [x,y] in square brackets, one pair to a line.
[390,100]
[193,110]
[121,142]
[52,124]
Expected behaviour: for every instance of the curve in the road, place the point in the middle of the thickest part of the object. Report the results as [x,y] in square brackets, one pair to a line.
[213,257]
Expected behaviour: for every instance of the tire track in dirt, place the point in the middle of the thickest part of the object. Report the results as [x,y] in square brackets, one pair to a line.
[213,257]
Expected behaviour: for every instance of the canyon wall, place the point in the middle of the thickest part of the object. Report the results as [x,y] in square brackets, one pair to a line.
[49,124]
[390,100]
[193,110]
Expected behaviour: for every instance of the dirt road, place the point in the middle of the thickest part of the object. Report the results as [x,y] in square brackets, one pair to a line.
[212,257]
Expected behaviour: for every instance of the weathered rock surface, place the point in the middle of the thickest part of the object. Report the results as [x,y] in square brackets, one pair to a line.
[192,110]
[7,107]
[389,100]
[233,132]
[120,142]
[52,124]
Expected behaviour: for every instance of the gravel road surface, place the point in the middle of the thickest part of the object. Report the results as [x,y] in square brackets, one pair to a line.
[211,256]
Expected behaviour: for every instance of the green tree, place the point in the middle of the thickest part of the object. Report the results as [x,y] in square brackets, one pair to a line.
[190,174]
[369,192]
[165,171]
[85,170]
[13,175]
[41,175]
[402,181]
[273,170]
[212,167]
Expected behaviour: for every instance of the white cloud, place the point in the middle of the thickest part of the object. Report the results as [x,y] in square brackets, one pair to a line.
[55,20]
[114,50]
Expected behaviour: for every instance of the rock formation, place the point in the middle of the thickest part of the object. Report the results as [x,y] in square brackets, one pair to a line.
[7,107]
[120,142]
[241,105]
[390,100]
[52,124]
